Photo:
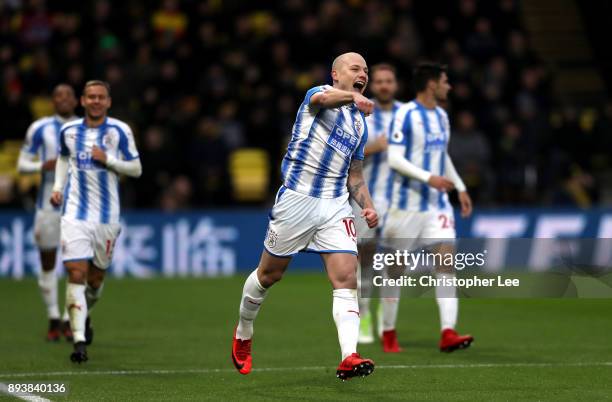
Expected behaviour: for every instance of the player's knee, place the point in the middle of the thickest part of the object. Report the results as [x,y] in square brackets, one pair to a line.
[76,276]
[347,279]
[77,271]
[269,278]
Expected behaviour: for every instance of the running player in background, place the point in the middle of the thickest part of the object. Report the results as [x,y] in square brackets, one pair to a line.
[322,168]
[379,178]
[97,149]
[38,155]
[420,214]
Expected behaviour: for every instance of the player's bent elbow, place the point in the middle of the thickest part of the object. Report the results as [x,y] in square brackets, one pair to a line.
[137,173]
[319,99]
[136,170]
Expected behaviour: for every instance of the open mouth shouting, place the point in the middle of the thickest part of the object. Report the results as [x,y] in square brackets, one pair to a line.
[359,85]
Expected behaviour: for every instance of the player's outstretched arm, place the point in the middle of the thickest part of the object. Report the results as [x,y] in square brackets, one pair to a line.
[334,97]
[452,174]
[359,192]
[403,166]
[27,164]
[132,168]
[61,174]
[464,198]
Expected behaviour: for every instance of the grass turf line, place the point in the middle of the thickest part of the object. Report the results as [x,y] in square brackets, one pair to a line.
[186,324]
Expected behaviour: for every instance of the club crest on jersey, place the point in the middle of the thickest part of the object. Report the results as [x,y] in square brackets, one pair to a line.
[271,238]
[108,140]
[358,126]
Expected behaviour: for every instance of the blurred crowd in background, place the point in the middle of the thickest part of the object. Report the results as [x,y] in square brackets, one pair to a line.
[197,80]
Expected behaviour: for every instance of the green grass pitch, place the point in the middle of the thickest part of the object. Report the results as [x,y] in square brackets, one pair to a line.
[169,339]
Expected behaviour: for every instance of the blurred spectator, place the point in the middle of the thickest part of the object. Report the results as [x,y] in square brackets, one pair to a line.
[512,161]
[602,138]
[169,20]
[575,188]
[470,152]
[481,44]
[208,160]
[17,111]
[156,154]
[35,27]
[177,196]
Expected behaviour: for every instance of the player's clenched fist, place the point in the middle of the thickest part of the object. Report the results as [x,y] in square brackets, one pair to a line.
[370,216]
[440,183]
[363,104]
[98,155]
[56,198]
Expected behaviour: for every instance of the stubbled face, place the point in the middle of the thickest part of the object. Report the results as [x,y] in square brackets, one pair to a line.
[384,85]
[351,73]
[441,88]
[96,101]
[64,100]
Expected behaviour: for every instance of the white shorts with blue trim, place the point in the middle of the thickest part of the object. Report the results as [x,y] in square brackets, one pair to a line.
[409,230]
[82,240]
[299,222]
[47,229]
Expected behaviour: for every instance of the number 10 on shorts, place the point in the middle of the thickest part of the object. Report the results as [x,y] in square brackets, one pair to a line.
[349,225]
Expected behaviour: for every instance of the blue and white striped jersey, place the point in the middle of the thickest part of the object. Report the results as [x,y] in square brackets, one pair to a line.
[425,134]
[42,140]
[92,192]
[323,143]
[376,169]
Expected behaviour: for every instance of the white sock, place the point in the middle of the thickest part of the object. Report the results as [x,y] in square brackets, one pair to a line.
[448,304]
[346,316]
[389,312]
[77,307]
[389,302]
[66,315]
[253,295]
[364,305]
[47,282]
[92,295]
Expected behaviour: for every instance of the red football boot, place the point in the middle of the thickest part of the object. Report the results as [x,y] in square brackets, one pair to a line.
[241,355]
[389,342]
[354,366]
[451,340]
[66,331]
[53,334]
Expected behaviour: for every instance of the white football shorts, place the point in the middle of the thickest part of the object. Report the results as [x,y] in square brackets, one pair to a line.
[409,230]
[47,229]
[299,222]
[82,240]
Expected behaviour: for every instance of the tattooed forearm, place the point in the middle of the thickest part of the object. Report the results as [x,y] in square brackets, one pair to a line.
[356,185]
[356,193]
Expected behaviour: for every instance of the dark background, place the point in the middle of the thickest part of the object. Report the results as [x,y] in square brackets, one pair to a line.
[197,80]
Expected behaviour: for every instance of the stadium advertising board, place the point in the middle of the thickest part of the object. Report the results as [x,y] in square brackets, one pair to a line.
[219,243]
